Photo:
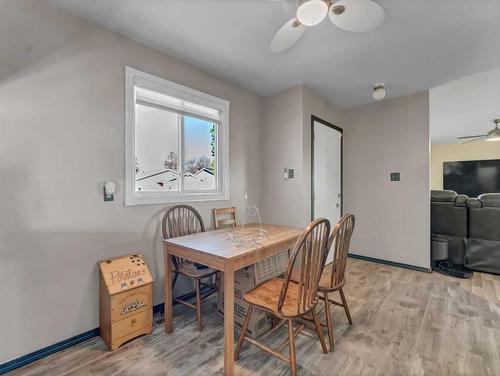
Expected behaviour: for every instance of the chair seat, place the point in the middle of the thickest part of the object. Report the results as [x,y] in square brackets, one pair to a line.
[326,278]
[190,270]
[267,295]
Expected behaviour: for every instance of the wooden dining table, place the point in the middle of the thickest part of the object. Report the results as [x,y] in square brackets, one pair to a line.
[217,250]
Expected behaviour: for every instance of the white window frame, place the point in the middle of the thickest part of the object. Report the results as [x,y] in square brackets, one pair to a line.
[135,78]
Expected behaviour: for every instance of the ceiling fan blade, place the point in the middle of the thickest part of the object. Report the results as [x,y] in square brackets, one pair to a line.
[356,15]
[464,137]
[287,36]
[474,140]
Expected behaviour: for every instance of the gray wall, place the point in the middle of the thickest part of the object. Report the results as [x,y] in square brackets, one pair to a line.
[282,199]
[62,122]
[392,218]
[287,143]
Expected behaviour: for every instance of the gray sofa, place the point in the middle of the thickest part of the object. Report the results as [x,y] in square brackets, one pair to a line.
[449,225]
[483,243]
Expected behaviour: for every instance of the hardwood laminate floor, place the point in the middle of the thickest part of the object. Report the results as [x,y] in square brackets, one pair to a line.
[405,323]
[481,284]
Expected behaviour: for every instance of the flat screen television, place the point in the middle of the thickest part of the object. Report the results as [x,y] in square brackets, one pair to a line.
[472,178]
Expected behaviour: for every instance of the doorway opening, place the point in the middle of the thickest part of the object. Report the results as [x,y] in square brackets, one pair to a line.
[326,170]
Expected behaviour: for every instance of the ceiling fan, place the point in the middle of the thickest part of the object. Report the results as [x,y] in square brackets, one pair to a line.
[493,135]
[349,15]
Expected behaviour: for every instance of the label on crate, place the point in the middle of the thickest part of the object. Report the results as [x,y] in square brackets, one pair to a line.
[125,273]
[127,308]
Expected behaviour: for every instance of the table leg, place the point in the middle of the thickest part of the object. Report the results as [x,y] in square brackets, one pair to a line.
[229,322]
[168,291]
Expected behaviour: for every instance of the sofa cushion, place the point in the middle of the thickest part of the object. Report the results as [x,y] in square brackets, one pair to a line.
[474,203]
[490,200]
[484,223]
[443,196]
[461,200]
[483,255]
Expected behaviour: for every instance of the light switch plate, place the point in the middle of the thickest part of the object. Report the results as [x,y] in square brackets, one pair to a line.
[395,176]
[107,197]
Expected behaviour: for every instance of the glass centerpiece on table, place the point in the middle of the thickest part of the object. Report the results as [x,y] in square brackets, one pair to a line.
[250,232]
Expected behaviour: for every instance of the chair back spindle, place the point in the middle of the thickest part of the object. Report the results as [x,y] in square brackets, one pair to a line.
[339,244]
[181,220]
[306,264]
[224,217]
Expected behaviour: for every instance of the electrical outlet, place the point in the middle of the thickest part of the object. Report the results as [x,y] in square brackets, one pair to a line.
[291,173]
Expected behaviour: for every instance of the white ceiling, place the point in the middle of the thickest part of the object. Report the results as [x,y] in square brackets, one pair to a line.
[422,44]
[464,107]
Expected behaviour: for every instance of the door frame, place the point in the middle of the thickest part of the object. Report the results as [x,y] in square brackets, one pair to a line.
[326,123]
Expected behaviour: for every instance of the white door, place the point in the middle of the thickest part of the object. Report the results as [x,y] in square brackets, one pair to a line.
[327,172]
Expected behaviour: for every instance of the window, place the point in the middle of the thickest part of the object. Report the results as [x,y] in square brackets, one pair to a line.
[177,146]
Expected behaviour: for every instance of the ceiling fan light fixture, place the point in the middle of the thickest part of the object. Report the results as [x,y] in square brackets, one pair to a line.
[311,12]
[338,9]
[493,138]
[287,36]
[356,15]
[378,92]
[494,135]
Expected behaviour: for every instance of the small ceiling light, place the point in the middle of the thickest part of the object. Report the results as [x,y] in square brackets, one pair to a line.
[378,92]
[494,135]
[311,12]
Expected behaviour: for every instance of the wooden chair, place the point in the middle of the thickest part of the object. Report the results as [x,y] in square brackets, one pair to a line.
[290,299]
[224,222]
[333,277]
[183,220]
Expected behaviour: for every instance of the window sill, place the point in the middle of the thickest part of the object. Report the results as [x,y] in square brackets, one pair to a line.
[131,200]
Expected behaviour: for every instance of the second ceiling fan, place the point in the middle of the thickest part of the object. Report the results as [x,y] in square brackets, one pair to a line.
[493,135]
[349,15]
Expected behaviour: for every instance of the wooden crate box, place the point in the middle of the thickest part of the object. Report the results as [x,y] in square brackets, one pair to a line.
[126,299]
